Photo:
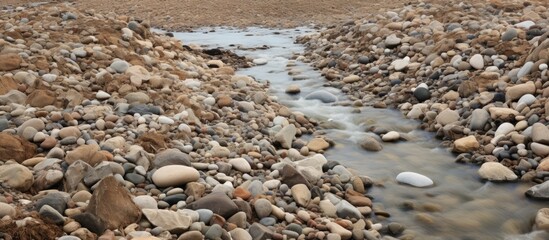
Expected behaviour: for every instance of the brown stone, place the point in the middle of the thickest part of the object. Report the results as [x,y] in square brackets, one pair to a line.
[15,147]
[7,84]
[48,143]
[41,98]
[10,61]
[240,192]
[224,101]
[112,203]
[195,189]
[90,154]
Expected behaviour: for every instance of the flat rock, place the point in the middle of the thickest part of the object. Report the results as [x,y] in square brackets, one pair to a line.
[494,171]
[173,221]
[174,175]
[318,144]
[466,144]
[414,179]
[111,202]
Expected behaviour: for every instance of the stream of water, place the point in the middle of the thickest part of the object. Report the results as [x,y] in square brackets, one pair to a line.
[459,206]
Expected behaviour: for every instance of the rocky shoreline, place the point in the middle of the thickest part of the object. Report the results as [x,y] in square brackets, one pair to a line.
[476,74]
[110,131]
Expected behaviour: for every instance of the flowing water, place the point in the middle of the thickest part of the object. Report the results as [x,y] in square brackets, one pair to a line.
[459,206]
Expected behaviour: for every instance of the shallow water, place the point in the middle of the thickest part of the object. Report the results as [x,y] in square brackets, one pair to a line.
[459,206]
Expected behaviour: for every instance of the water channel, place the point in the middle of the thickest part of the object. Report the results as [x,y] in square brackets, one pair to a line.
[459,206]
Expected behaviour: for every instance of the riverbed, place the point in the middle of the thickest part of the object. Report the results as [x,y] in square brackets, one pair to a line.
[458,206]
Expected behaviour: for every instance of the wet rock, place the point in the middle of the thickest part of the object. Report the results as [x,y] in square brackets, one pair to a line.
[542,219]
[318,144]
[414,179]
[370,143]
[539,191]
[322,95]
[111,203]
[494,171]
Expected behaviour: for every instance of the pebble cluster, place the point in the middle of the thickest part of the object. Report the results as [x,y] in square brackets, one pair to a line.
[111,131]
[476,74]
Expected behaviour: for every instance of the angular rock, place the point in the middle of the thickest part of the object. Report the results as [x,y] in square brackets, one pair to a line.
[285,136]
[16,148]
[174,222]
[291,177]
[218,202]
[111,202]
[301,194]
[540,191]
[10,61]
[540,133]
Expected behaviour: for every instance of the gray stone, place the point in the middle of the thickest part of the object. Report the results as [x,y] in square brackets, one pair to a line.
[120,66]
[53,215]
[171,156]
[509,35]
[540,191]
[322,95]
[218,202]
[347,210]
[260,232]
[214,232]
[263,208]
[525,69]
[479,118]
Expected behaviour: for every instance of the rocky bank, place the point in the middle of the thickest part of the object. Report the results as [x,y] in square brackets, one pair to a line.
[474,73]
[111,131]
